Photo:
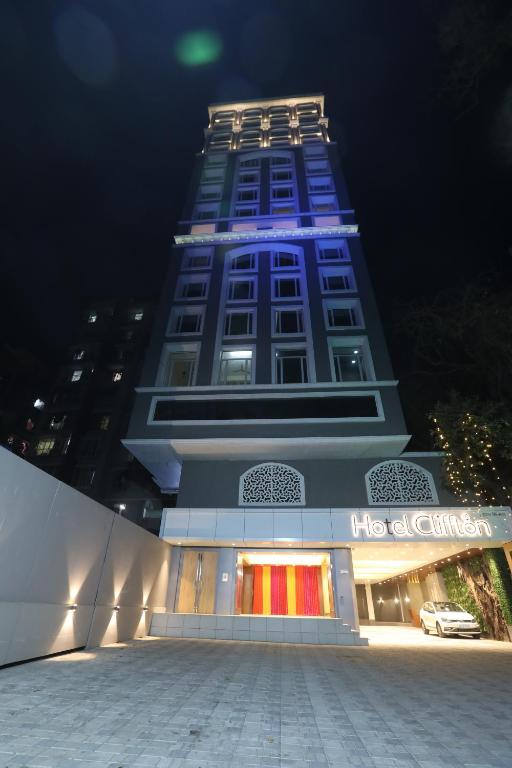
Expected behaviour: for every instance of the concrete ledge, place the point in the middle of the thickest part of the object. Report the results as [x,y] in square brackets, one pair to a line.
[273,629]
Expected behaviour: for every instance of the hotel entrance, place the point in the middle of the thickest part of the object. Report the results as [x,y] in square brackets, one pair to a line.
[284,584]
[197,582]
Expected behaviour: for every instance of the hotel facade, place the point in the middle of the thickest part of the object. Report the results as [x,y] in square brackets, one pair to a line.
[269,405]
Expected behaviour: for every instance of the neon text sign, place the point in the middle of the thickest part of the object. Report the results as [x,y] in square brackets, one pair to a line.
[446,525]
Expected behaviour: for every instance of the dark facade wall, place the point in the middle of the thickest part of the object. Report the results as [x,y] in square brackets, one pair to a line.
[328,483]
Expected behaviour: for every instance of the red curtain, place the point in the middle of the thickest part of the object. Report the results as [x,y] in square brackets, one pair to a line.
[257,595]
[311,600]
[299,589]
[278,592]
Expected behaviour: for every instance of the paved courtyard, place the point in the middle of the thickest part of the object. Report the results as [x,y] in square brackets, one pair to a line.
[196,703]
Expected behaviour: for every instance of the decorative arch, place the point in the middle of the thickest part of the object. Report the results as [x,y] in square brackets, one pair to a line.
[400,483]
[271,484]
[265,246]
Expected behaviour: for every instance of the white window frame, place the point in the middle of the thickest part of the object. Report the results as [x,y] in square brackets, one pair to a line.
[234,348]
[289,185]
[311,171]
[186,279]
[244,311]
[279,269]
[181,310]
[174,348]
[345,271]
[197,252]
[278,277]
[350,304]
[339,245]
[250,278]
[316,179]
[256,181]
[254,268]
[320,199]
[298,308]
[242,190]
[205,208]
[309,359]
[347,341]
[253,210]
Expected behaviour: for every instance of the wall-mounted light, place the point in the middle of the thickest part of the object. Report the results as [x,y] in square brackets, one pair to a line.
[396,601]
[380,600]
[145,608]
[407,599]
[72,607]
[116,608]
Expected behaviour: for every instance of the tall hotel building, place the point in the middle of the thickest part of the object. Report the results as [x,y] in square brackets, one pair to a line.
[268,404]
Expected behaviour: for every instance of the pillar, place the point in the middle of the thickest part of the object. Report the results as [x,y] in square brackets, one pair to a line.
[173,578]
[345,588]
[226,581]
[369,601]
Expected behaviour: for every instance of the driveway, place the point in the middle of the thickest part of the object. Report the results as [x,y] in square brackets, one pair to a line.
[195,703]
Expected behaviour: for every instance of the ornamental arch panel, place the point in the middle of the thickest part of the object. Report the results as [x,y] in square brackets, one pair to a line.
[400,483]
[271,484]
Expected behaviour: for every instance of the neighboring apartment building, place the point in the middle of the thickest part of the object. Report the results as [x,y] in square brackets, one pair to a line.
[78,436]
[268,401]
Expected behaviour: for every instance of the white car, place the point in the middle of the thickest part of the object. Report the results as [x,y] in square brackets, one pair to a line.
[448,619]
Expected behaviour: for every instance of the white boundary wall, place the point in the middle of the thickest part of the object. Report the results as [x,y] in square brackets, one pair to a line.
[57,548]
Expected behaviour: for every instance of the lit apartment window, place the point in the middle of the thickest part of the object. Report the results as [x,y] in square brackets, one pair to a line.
[76,375]
[241,290]
[239,323]
[235,366]
[117,376]
[92,317]
[78,354]
[45,447]
[288,321]
[349,362]
[192,287]
[333,280]
[243,261]
[57,422]
[286,287]
[137,314]
[283,260]
[197,258]
[342,314]
[186,320]
[332,250]
[291,366]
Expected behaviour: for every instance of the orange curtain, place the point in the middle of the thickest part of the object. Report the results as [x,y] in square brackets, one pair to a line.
[279,603]
[257,595]
[311,582]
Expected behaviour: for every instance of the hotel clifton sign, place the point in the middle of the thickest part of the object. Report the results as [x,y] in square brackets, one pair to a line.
[473,524]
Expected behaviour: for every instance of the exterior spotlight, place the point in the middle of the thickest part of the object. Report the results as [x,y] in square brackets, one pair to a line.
[72,607]
[116,608]
[39,404]
[407,599]
[396,601]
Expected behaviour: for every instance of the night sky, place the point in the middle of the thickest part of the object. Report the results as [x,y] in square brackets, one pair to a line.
[101,122]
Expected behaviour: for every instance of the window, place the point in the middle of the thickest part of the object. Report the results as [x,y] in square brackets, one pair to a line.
[244,261]
[349,362]
[281,176]
[216,159]
[246,177]
[280,160]
[286,287]
[192,287]
[239,323]
[92,317]
[197,258]
[235,366]
[323,203]
[137,315]
[243,211]
[241,290]
[291,366]
[76,375]
[282,193]
[282,209]
[332,250]
[117,376]
[316,166]
[320,184]
[210,192]
[180,369]
[45,447]
[203,214]
[57,422]
[78,354]
[104,422]
[288,321]
[342,314]
[250,162]
[333,280]
[212,175]
[186,320]
[317,150]
[283,260]
[246,195]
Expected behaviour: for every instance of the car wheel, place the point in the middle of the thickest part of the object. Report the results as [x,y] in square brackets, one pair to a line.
[439,630]
[425,630]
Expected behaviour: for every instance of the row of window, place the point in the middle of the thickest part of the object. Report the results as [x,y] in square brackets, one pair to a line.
[201,257]
[339,315]
[292,364]
[76,375]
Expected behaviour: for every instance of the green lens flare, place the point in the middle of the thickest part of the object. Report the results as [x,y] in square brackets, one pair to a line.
[197,48]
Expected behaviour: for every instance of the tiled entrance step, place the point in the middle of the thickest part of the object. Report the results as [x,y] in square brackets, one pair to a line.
[273,629]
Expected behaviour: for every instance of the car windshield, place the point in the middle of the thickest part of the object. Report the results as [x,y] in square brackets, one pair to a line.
[447,607]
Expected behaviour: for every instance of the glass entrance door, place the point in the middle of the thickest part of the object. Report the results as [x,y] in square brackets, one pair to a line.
[197,582]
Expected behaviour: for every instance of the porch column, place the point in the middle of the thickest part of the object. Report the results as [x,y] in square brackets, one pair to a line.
[225,592]
[173,578]
[369,601]
[345,589]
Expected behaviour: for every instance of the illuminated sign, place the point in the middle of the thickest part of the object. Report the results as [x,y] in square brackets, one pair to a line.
[447,525]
